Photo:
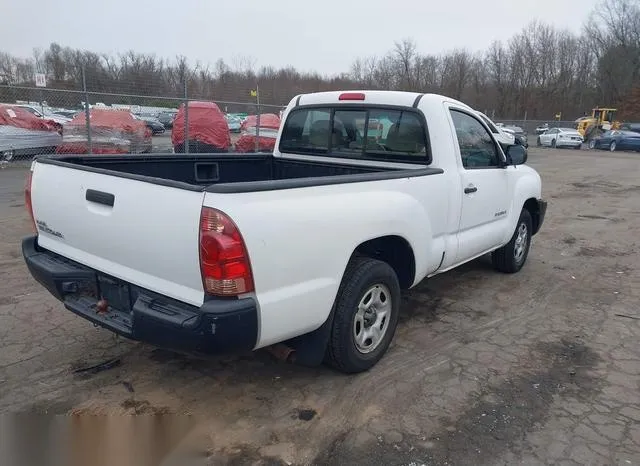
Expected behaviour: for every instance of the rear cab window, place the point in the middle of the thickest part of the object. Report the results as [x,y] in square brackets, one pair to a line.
[357,132]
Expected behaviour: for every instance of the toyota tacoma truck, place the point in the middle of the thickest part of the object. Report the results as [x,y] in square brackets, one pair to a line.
[307,248]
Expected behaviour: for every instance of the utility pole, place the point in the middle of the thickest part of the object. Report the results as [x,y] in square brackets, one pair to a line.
[257,147]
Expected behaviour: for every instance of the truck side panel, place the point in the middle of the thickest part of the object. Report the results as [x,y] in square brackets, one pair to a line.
[300,240]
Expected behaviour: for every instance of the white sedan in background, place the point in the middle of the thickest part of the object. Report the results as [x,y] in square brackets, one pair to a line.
[499,132]
[560,137]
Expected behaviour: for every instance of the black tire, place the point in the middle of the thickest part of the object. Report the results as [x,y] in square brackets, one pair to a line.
[553,143]
[592,144]
[613,146]
[361,275]
[505,259]
[538,142]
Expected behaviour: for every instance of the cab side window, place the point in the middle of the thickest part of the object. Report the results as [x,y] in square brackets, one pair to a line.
[477,148]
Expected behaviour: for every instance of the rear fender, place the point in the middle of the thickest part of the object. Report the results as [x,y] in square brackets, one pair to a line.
[313,235]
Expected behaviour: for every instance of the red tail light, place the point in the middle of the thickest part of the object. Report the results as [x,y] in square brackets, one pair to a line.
[351,96]
[224,262]
[27,200]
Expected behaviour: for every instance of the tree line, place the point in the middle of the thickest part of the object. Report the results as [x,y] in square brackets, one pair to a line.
[538,73]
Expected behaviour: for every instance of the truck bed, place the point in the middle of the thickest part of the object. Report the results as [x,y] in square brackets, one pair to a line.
[231,173]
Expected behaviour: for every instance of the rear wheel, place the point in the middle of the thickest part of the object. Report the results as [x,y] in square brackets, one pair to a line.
[592,144]
[511,257]
[613,146]
[365,316]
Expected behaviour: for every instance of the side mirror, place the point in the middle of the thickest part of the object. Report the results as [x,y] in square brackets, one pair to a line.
[516,155]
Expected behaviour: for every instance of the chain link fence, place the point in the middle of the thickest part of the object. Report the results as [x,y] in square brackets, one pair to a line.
[89,116]
[87,121]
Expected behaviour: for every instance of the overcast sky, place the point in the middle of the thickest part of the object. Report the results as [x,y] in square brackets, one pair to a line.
[312,35]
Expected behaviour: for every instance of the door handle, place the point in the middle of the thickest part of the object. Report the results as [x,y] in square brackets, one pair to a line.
[470,189]
[100,197]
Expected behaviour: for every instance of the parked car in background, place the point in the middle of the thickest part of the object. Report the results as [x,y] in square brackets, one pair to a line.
[112,132]
[234,123]
[266,140]
[542,128]
[208,129]
[502,136]
[634,127]
[519,134]
[267,120]
[166,118]
[22,134]
[560,137]
[614,140]
[152,123]
[65,113]
[45,113]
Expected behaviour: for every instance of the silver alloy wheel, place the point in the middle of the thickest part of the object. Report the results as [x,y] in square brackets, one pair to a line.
[521,243]
[8,155]
[371,321]
[613,146]
[592,144]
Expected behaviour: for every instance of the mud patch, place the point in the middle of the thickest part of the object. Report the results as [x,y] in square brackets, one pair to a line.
[600,217]
[596,185]
[144,407]
[243,455]
[569,240]
[306,414]
[595,251]
[57,407]
[498,418]
[4,300]
[423,306]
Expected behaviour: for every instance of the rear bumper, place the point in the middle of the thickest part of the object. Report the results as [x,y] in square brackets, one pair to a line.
[219,325]
[568,143]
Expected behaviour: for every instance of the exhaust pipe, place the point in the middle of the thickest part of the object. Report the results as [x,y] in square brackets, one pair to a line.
[282,352]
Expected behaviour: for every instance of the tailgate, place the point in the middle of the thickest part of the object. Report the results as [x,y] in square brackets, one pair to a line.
[139,232]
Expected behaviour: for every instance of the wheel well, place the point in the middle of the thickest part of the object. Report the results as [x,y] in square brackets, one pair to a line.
[395,251]
[534,209]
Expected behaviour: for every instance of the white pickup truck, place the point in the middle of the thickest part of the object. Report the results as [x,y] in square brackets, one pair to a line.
[306,249]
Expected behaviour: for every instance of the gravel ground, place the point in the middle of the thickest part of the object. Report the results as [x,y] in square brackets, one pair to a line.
[541,367]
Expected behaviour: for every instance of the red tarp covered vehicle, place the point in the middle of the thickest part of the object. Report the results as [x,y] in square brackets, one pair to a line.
[23,134]
[267,120]
[208,129]
[269,125]
[267,140]
[18,117]
[112,132]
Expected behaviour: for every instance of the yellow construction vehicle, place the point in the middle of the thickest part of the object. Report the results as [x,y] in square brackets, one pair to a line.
[601,119]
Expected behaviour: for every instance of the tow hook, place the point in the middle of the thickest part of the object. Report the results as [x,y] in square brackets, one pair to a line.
[282,352]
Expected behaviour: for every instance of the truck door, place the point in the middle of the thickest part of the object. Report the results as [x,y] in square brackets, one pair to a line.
[484,183]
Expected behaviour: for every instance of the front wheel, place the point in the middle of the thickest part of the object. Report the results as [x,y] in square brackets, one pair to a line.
[511,257]
[365,315]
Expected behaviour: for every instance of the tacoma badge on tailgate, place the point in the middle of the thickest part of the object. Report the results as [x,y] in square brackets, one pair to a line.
[42,226]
